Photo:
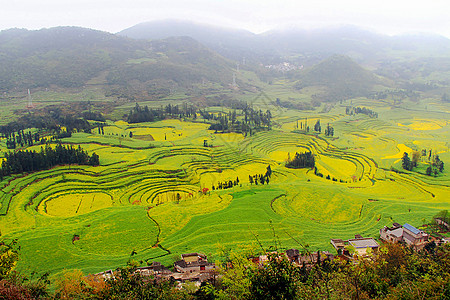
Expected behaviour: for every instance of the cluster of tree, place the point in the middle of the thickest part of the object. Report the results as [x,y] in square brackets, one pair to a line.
[51,120]
[139,114]
[224,101]
[329,131]
[226,184]
[407,164]
[303,126]
[349,110]
[317,126]
[253,120]
[301,160]
[261,178]
[31,161]
[295,105]
[394,272]
[21,138]
[436,164]
[317,173]
[397,95]
[95,116]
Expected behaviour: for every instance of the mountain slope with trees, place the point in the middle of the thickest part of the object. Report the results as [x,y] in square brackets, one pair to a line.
[69,57]
[341,76]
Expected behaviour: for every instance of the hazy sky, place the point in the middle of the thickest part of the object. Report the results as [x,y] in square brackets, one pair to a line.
[384,16]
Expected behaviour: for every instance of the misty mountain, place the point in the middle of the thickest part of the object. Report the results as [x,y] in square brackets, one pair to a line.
[299,46]
[64,56]
[341,77]
[229,42]
[72,56]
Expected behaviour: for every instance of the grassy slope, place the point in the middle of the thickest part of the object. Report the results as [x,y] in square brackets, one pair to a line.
[298,205]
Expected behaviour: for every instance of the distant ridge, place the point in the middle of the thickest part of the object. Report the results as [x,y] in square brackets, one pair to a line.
[69,57]
[233,43]
[274,46]
[341,76]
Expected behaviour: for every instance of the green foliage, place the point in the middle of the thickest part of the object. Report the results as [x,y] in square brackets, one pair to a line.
[129,285]
[277,279]
[301,160]
[8,258]
[32,161]
[406,162]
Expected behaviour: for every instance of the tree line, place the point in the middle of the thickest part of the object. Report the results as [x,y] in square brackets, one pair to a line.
[253,120]
[360,110]
[435,166]
[301,160]
[48,157]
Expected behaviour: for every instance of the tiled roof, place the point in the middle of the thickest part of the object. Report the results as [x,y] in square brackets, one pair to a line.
[411,228]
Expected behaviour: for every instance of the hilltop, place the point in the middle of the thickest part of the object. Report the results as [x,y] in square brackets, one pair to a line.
[71,57]
[298,45]
[341,76]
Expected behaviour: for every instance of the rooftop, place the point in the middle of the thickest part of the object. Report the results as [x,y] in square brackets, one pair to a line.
[363,243]
[398,232]
[193,254]
[411,228]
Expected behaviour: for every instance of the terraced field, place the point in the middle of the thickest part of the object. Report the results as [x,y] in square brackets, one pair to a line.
[152,196]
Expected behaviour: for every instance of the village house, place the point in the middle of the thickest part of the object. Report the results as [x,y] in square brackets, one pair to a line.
[193,262]
[362,246]
[406,233]
[155,269]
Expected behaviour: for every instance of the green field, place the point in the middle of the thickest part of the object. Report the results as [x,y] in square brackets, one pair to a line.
[143,201]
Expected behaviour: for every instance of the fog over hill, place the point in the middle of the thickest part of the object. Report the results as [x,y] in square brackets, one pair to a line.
[307,46]
[150,59]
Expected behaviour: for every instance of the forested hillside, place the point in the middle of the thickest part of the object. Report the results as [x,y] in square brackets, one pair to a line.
[69,57]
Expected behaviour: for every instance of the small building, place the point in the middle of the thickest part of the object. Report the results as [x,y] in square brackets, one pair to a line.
[193,262]
[156,268]
[359,243]
[193,257]
[406,233]
[414,237]
[362,245]
[338,244]
[392,234]
[196,266]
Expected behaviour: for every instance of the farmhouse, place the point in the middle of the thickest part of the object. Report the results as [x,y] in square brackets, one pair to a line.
[359,243]
[156,268]
[362,245]
[406,233]
[193,262]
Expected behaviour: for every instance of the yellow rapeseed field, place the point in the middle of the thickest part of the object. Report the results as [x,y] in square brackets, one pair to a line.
[424,124]
[69,205]
[401,149]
